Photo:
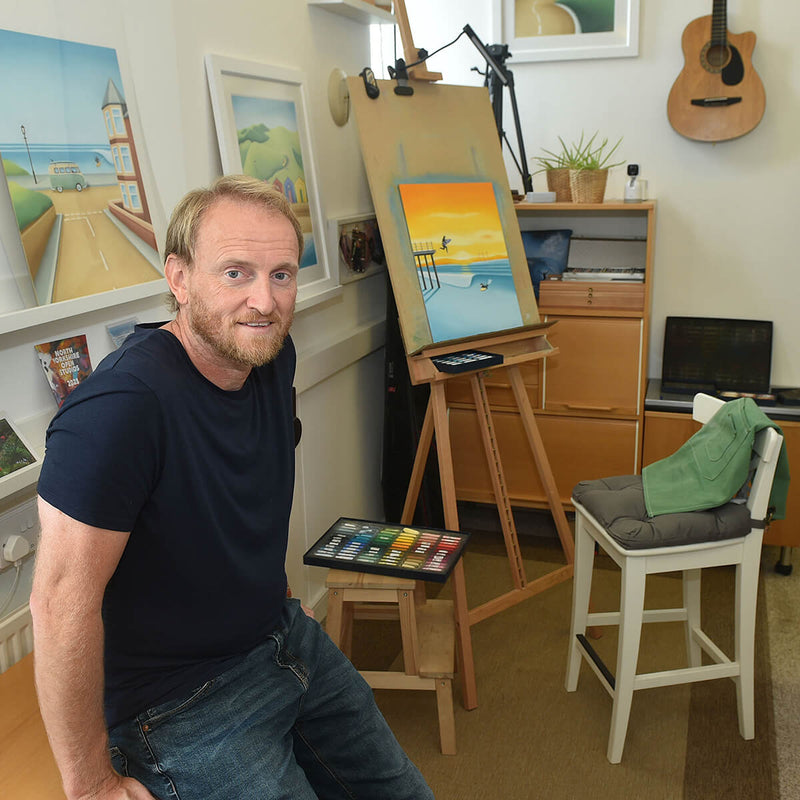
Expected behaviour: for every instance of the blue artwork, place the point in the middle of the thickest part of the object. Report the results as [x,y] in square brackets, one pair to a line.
[547,253]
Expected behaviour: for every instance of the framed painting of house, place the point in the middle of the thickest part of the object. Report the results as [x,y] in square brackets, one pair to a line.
[75,175]
[560,30]
[260,113]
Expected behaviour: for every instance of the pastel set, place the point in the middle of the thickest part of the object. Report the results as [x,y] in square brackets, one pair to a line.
[365,546]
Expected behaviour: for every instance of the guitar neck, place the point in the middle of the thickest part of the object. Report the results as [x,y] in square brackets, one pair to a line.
[719,23]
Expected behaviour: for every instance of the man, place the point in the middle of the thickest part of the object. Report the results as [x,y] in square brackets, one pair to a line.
[165,644]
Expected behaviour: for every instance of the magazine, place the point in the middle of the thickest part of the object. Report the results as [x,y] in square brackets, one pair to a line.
[65,363]
[14,453]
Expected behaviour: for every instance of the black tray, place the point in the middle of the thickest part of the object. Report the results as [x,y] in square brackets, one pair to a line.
[402,551]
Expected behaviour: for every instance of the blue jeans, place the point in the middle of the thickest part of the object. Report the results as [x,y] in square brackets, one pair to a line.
[294,720]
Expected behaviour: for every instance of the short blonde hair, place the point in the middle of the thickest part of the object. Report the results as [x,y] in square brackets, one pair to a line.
[188,215]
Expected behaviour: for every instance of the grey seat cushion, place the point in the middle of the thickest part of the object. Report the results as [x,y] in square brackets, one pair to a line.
[618,505]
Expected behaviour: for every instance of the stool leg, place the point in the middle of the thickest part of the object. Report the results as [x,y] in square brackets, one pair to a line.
[746,599]
[630,632]
[447,722]
[581,589]
[334,620]
[408,631]
[691,602]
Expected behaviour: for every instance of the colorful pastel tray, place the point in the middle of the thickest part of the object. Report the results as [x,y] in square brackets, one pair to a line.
[427,554]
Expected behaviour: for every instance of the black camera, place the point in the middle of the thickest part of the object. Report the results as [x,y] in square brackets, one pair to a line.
[633,170]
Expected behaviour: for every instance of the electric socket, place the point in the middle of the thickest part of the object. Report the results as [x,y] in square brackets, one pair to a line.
[23,520]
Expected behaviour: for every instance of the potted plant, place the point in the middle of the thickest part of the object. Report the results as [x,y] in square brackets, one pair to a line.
[584,164]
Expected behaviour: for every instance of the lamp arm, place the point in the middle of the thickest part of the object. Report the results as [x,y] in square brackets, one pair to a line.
[527,180]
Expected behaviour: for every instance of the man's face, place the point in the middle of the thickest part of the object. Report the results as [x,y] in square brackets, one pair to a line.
[241,289]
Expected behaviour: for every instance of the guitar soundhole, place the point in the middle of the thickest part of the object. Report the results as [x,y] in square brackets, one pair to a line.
[714,57]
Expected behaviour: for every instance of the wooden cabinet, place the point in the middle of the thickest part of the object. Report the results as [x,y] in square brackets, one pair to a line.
[665,432]
[597,369]
[589,398]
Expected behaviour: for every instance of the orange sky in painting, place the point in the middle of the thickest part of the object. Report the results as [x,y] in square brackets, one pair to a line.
[466,213]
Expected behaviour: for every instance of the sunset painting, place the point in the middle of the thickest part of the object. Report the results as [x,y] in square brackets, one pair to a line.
[460,259]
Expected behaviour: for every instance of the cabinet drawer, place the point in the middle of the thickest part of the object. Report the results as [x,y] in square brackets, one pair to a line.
[498,388]
[600,296]
[578,448]
[598,367]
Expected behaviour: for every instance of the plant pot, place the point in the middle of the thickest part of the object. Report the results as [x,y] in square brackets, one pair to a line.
[558,182]
[588,185]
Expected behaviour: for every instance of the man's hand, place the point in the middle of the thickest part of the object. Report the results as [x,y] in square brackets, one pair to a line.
[309,612]
[119,788]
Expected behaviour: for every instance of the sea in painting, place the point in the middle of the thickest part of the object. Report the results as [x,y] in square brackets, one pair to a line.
[460,259]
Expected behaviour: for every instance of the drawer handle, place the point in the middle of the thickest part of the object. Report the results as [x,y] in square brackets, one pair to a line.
[576,407]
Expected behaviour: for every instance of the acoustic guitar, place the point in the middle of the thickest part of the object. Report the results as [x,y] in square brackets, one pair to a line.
[718,95]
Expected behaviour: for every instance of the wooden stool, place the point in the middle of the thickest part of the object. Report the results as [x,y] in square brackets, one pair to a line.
[427,629]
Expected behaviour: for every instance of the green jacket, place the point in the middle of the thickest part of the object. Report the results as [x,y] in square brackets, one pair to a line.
[710,469]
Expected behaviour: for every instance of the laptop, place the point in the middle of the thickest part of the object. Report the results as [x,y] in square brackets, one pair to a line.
[726,357]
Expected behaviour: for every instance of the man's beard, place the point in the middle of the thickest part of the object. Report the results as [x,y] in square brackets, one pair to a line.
[208,326]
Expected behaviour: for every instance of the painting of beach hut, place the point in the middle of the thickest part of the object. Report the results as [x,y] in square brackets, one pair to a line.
[460,259]
[270,148]
[72,168]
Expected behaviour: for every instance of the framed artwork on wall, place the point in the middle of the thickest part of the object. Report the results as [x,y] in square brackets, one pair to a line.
[76,188]
[546,30]
[260,114]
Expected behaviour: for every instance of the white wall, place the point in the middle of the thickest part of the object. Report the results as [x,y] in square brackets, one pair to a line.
[726,241]
[161,46]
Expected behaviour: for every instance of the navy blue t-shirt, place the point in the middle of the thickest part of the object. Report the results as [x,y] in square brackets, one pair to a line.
[203,480]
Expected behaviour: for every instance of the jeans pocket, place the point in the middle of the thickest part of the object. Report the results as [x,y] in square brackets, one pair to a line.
[119,761]
[159,714]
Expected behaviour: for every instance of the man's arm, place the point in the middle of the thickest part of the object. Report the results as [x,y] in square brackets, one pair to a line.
[74,562]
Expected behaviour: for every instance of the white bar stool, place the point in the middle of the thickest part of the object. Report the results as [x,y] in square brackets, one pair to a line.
[744,551]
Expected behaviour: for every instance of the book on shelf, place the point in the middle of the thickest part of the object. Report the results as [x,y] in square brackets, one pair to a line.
[65,363]
[635,274]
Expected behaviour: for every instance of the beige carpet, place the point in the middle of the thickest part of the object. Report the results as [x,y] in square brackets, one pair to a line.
[529,738]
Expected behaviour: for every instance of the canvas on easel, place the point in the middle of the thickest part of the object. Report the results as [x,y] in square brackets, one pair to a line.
[460,259]
[444,207]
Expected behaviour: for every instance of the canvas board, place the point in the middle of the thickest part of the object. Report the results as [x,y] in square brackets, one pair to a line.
[436,173]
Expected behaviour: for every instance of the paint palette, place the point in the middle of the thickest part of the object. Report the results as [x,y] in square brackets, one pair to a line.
[427,554]
[466,360]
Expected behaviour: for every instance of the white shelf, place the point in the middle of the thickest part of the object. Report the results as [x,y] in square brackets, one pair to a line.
[358,10]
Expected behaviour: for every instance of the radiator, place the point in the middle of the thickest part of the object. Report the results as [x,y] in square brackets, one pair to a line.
[16,637]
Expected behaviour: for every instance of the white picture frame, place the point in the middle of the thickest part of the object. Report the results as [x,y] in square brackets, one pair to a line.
[21,305]
[622,41]
[247,94]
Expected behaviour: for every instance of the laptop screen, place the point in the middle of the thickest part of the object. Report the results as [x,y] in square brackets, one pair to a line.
[722,355]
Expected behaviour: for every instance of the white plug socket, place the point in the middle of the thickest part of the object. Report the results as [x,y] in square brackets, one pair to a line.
[15,548]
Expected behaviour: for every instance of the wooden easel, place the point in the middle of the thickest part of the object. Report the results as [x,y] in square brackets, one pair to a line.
[516,348]
[450,131]
[420,72]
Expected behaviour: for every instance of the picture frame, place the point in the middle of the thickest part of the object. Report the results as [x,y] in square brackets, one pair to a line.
[80,96]
[249,102]
[345,253]
[609,29]
[16,454]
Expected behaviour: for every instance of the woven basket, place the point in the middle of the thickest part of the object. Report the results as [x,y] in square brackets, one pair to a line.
[588,185]
[558,182]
